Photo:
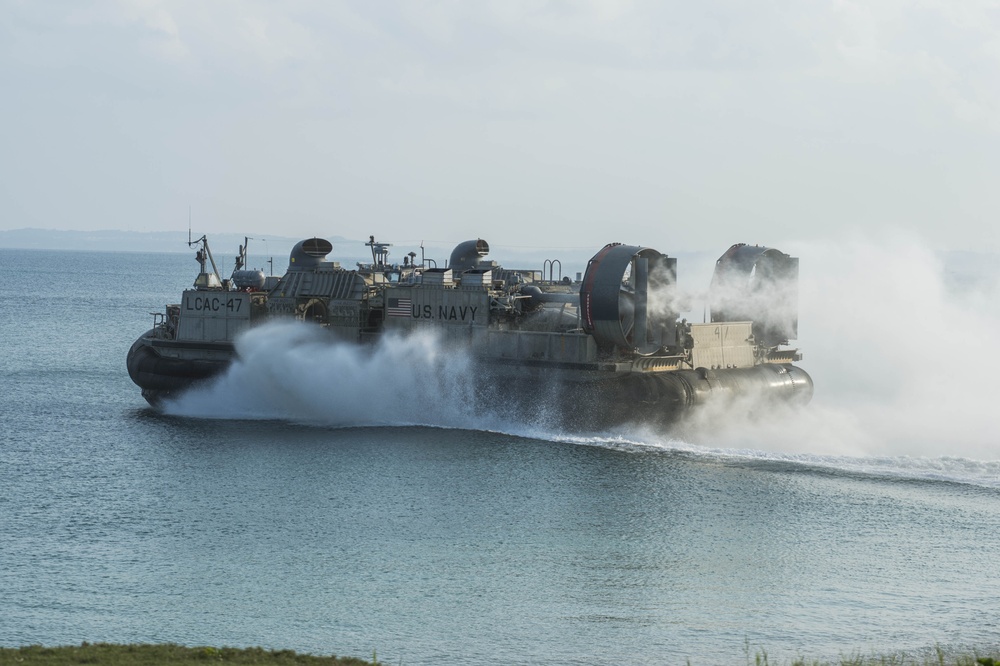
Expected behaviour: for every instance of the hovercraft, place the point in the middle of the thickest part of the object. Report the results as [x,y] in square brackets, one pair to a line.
[604,349]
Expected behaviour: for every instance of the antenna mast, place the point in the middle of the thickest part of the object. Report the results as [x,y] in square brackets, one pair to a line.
[204,279]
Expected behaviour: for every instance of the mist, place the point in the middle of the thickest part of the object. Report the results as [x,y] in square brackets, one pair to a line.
[900,347]
[902,350]
[298,372]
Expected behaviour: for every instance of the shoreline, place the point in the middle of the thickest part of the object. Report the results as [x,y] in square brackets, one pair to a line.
[169,654]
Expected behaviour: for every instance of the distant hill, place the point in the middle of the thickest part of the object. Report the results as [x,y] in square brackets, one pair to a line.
[224,244]
[124,241]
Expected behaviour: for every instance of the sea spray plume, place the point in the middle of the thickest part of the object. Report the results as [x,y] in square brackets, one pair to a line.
[921,367]
[903,365]
[297,372]
[754,421]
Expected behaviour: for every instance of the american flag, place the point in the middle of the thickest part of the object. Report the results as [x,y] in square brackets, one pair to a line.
[400,307]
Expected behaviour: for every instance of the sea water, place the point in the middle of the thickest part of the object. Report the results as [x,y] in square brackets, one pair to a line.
[344,506]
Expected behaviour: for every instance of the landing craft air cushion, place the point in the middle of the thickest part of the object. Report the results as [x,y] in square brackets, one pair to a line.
[606,349]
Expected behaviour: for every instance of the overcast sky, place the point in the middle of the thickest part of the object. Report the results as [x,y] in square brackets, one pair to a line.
[679,125]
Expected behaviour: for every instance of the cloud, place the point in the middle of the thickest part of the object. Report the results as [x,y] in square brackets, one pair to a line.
[690,122]
[162,37]
[949,50]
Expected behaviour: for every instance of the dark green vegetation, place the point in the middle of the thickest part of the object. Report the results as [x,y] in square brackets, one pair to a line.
[162,655]
[169,654]
[939,659]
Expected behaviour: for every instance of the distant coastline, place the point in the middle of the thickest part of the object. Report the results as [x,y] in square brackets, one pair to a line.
[224,244]
[111,240]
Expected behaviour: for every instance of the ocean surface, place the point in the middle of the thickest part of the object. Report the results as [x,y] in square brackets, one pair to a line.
[330,505]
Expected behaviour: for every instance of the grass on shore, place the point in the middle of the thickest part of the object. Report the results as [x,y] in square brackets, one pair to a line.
[168,654]
[940,659]
[109,654]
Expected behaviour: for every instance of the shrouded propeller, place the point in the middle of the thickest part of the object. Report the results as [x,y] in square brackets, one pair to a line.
[626,298]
